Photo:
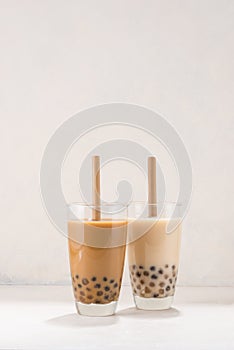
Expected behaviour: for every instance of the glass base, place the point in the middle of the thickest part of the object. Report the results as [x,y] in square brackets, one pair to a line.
[96,309]
[153,303]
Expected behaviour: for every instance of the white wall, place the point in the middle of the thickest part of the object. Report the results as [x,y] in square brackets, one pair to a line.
[58,57]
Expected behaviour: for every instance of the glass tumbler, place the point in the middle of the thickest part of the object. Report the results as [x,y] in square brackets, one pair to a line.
[153,253]
[97,252]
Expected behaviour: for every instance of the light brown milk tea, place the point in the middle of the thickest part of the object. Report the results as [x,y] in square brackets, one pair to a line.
[97,251]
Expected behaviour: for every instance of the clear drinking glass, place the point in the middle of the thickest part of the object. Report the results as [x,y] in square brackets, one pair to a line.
[153,253]
[97,252]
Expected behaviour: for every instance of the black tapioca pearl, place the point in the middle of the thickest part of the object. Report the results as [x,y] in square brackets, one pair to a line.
[174,274]
[134,280]
[173,286]
[147,290]
[107,288]
[154,276]
[161,291]
[168,288]
[134,290]
[152,268]
[93,278]
[114,294]
[134,267]
[142,281]
[152,284]
[99,293]
[82,293]
[77,277]
[156,295]
[132,273]
[138,286]
[166,277]
[75,289]
[90,297]
[112,281]
[161,284]
[166,266]
[138,274]
[97,302]
[79,285]
[141,267]
[97,285]
[116,285]
[160,271]
[146,273]
[173,267]
[82,299]
[170,280]
[106,297]
[85,281]
[88,289]
[104,279]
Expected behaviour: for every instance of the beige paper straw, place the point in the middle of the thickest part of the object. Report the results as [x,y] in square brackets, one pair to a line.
[96,213]
[152,188]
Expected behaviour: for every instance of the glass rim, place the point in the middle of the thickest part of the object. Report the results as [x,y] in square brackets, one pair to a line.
[90,205]
[179,204]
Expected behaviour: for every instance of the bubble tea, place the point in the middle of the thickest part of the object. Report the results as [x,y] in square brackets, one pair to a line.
[153,249]
[153,258]
[97,252]
[97,241]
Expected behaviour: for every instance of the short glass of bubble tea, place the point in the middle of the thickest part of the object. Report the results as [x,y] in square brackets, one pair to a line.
[97,253]
[153,253]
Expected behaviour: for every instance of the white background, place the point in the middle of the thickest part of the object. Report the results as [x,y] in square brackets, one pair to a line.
[59,57]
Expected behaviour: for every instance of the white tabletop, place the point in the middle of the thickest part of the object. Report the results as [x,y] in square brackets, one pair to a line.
[44,317]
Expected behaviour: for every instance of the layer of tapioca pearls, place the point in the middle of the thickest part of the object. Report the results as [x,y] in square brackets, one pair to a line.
[95,290]
[153,281]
